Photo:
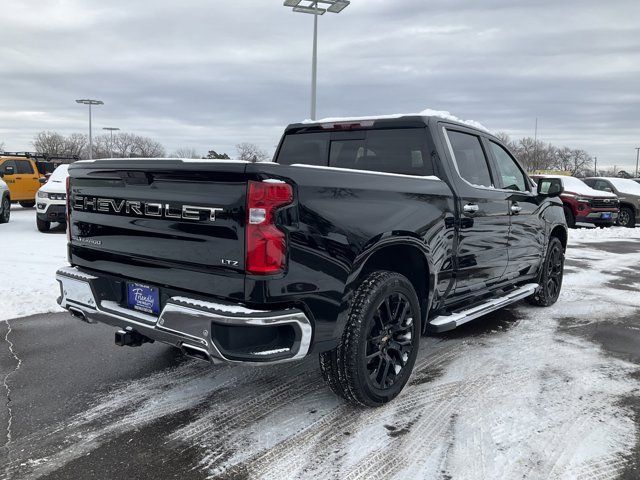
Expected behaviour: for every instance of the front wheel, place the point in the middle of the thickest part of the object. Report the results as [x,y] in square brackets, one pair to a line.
[5,210]
[551,276]
[43,225]
[379,345]
[626,218]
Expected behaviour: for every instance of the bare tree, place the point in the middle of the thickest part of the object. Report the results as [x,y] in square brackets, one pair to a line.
[148,148]
[250,152]
[49,142]
[76,144]
[124,145]
[185,152]
[1,147]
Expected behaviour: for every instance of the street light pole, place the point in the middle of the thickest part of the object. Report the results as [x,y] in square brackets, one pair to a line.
[637,158]
[314,66]
[111,129]
[87,101]
[311,7]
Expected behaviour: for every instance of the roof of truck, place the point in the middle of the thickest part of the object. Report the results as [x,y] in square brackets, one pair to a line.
[423,115]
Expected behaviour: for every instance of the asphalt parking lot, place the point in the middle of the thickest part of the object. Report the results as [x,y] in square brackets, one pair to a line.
[523,393]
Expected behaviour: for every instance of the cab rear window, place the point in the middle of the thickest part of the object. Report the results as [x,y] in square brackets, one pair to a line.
[403,151]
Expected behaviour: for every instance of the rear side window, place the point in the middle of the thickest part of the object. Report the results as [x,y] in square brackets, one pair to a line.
[24,166]
[402,151]
[470,159]
[304,148]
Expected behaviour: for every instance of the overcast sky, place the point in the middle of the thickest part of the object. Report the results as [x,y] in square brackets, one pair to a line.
[213,73]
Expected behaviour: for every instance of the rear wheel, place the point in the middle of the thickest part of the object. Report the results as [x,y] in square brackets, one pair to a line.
[551,276]
[43,225]
[378,349]
[5,210]
[27,204]
[571,219]
[626,218]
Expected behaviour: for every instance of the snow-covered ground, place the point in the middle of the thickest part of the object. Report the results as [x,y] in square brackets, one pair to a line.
[29,264]
[523,393]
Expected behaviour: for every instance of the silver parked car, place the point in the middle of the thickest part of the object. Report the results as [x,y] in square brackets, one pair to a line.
[628,191]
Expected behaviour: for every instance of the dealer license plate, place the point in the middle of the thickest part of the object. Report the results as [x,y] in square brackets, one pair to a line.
[606,216]
[143,298]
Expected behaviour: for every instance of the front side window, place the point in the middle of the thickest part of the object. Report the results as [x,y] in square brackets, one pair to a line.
[24,166]
[510,177]
[470,158]
[602,185]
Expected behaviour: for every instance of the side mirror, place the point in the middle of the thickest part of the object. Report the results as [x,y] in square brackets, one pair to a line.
[550,187]
[1,174]
[607,189]
[9,170]
[42,180]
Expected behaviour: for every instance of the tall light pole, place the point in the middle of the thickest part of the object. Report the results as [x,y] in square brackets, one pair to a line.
[111,129]
[86,101]
[637,158]
[311,7]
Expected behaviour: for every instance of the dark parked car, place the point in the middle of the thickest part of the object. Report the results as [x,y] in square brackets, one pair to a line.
[360,236]
[628,193]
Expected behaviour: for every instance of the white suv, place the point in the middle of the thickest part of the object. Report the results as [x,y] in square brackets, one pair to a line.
[5,202]
[51,199]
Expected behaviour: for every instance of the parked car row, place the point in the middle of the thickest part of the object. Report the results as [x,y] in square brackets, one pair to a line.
[600,201]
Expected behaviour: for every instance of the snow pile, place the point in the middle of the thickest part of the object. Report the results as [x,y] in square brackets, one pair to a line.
[28,276]
[425,113]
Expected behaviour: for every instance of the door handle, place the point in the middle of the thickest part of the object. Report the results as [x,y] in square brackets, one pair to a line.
[470,208]
[515,209]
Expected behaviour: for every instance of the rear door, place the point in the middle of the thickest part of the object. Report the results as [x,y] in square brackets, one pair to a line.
[26,179]
[484,218]
[527,229]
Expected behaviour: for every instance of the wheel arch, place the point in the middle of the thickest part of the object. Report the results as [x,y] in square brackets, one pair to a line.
[633,208]
[405,255]
[561,233]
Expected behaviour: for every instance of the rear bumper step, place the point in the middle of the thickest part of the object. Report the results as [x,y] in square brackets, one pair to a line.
[445,323]
[204,330]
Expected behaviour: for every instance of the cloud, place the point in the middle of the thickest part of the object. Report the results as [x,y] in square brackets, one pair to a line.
[213,74]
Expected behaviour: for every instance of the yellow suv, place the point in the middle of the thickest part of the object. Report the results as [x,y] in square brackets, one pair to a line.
[20,173]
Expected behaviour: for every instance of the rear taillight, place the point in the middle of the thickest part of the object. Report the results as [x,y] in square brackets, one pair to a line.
[68,215]
[266,243]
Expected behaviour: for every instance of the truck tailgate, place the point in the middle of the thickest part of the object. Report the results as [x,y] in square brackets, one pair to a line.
[141,218]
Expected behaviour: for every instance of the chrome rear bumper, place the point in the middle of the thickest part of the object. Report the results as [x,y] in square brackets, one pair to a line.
[185,322]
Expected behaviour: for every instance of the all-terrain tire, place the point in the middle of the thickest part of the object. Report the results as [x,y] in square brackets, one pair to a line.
[384,323]
[551,275]
[27,204]
[5,210]
[43,225]
[568,215]
[627,218]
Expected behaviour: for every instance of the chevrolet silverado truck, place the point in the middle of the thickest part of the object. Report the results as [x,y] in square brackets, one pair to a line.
[358,238]
[583,204]
[628,193]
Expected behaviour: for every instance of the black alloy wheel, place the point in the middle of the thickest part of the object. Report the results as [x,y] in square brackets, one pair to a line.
[390,341]
[379,345]
[550,276]
[626,218]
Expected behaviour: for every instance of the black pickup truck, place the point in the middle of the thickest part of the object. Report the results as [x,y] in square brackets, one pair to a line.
[360,236]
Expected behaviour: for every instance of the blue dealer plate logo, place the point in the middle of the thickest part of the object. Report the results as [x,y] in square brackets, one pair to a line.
[143,298]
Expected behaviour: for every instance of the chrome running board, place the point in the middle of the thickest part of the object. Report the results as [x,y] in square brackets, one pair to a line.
[444,323]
